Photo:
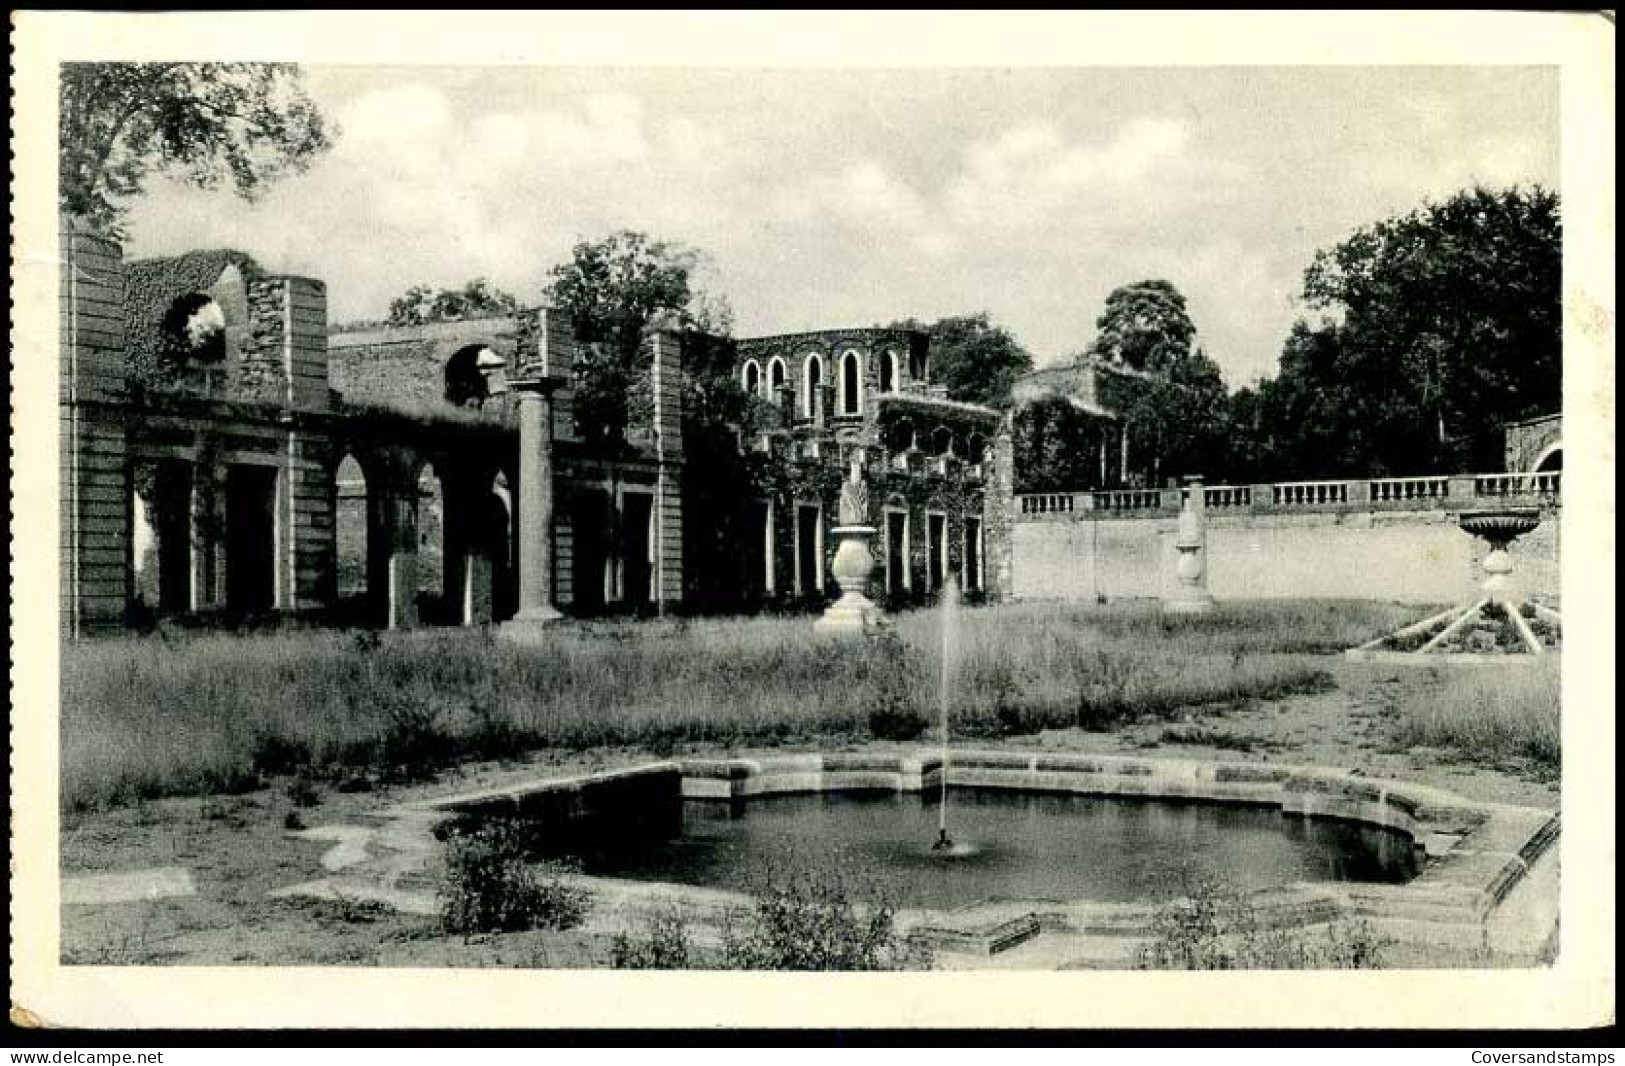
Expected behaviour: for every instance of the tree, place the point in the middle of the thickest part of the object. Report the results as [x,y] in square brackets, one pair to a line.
[421,304]
[977,360]
[250,123]
[1175,417]
[1442,325]
[1144,326]
[1173,402]
[613,289]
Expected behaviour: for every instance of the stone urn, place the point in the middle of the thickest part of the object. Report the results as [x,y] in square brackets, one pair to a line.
[854,611]
[1499,529]
[1190,595]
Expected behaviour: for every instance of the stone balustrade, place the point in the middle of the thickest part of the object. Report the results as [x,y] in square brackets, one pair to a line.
[1543,484]
[1433,492]
[1400,489]
[1310,493]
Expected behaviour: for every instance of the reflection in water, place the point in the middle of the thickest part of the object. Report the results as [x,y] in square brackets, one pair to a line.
[1012,846]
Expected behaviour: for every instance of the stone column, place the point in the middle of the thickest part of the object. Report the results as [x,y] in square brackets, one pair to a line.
[535,507]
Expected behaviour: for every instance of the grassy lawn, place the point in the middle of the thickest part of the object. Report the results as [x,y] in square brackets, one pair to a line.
[154,716]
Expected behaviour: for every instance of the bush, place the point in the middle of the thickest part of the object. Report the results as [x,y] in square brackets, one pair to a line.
[662,944]
[490,886]
[1214,926]
[810,919]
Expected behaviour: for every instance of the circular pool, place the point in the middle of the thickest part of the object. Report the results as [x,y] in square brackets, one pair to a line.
[1010,845]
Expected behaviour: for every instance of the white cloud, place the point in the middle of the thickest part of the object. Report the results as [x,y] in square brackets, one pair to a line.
[1027,175]
[842,201]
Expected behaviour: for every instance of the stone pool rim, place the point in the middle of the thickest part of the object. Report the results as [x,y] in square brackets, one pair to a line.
[1476,852]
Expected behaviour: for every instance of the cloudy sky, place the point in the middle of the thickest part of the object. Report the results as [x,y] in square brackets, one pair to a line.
[854,197]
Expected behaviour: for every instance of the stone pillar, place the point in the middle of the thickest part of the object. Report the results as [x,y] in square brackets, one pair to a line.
[1190,595]
[94,497]
[999,518]
[665,353]
[535,505]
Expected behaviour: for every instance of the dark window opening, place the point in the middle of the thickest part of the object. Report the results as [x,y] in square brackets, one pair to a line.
[251,538]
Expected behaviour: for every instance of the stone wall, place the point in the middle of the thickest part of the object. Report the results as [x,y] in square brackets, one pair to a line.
[1408,556]
[1530,443]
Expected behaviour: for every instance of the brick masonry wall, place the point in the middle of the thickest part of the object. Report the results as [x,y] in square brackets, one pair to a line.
[95,524]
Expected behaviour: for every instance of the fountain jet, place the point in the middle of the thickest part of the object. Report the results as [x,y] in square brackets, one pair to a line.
[948,610]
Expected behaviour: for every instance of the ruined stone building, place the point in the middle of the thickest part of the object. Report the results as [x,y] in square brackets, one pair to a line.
[225,453]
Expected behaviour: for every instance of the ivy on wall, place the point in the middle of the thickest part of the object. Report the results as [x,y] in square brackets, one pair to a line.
[151,286]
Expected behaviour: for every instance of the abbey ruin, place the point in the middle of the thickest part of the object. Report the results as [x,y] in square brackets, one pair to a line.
[225,453]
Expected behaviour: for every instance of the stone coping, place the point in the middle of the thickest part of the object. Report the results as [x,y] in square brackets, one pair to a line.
[1476,853]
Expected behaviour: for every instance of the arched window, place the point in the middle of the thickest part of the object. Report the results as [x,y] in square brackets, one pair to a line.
[431,545]
[194,331]
[350,524]
[812,377]
[918,364]
[751,378]
[900,436]
[474,374]
[975,448]
[851,383]
[775,376]
[942,441]
[889,372]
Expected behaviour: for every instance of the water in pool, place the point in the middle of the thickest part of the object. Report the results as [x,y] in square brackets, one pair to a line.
[1010,846]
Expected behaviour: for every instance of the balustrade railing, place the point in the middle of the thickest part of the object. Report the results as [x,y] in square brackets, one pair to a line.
[1118,501]
[1418,493]
[1221,497]
[1310,493]
[1405,489]
[1544,483]
[1046,503]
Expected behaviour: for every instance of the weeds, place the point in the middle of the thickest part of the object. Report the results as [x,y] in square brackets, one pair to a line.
[490,886]
[662,943]
[811,919]
[1211,925]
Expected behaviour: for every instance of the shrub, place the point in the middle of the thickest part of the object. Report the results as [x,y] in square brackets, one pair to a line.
[662,943]
[275,755]
[1214,926]
[489,885]
[810,919]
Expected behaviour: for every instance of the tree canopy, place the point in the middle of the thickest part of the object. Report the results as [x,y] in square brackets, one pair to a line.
[613,289]
[420,304]
[1175,416]
[246,123]
[1144,326]
[977,360]
[1440,326]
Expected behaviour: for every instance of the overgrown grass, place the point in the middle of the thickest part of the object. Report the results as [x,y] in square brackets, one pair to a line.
[150,716]
[1492,714]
